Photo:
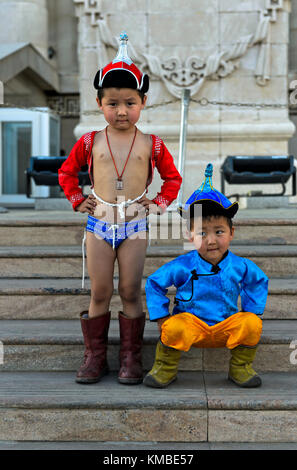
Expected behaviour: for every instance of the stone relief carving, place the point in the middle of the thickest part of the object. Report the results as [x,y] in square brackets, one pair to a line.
[192,72]
[67,106]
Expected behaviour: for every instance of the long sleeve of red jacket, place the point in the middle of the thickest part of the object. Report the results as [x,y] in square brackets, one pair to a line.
[172,180]
[68,173]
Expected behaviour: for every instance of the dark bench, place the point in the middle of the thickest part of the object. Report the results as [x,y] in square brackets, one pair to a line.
[44,172]
[241,169]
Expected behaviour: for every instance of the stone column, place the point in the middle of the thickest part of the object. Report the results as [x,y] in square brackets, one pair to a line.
[232,55]
[24,21]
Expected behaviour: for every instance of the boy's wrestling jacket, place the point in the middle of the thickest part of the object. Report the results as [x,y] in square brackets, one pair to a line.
[81,154]
[213,298]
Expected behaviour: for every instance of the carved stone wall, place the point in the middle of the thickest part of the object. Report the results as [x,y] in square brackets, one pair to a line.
[231,54]
[23,21]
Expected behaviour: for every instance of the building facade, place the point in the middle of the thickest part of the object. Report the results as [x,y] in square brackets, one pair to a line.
[237,58]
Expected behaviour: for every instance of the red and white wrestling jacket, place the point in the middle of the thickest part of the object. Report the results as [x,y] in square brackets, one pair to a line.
[81,154]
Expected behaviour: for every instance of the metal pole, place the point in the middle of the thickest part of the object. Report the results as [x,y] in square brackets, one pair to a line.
[185,100]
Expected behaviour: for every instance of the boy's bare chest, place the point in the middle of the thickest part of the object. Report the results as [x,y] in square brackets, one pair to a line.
[119,159]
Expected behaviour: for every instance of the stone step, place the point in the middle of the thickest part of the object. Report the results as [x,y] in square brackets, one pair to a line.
[148,448]
[66,261]
[57,345]
[61,298]
[167,230]
[198,407]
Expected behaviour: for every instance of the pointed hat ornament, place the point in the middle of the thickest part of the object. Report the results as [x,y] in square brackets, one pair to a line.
[211,199]
[121,63]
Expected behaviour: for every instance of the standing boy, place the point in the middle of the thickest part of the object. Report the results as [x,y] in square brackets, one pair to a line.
[121,161]
[209,281]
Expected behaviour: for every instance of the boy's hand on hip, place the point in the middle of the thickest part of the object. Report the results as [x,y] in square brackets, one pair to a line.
[88,205]
[150,206]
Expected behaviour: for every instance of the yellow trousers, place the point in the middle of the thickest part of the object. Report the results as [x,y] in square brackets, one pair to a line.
[184,330]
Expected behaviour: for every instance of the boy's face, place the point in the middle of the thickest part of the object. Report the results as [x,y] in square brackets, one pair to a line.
[121,107]
[211,237]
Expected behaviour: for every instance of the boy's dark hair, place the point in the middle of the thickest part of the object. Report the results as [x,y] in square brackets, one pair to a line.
[207,214]
[119,79]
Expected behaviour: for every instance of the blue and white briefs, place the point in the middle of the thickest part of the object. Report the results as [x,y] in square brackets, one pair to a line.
[115,234]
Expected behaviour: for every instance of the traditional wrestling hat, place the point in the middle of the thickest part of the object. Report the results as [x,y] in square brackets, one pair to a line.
[122,72]
[213,202]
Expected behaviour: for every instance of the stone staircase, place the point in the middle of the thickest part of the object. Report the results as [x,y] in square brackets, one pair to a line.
[41,297]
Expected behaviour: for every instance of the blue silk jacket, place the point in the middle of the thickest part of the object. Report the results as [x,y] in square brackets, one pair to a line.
[215,297]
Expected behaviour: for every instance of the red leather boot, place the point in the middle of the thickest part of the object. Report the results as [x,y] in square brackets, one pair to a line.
[131,337]
[95,333]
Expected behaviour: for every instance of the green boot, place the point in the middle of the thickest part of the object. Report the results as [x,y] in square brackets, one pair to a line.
[165,367]
[240,369]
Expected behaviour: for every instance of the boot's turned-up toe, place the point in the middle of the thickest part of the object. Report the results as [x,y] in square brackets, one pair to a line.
[95,333]
[240,369]
[164,370]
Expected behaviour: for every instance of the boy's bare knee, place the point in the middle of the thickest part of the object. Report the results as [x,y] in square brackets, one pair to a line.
[129,293]
[101,294]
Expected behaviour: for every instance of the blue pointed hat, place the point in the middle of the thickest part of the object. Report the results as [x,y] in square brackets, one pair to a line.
[212,201]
